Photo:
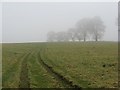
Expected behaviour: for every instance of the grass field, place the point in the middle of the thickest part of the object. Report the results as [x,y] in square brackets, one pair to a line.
[60,65]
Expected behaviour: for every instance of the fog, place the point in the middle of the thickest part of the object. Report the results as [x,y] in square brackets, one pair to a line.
[0,22]
[30,22]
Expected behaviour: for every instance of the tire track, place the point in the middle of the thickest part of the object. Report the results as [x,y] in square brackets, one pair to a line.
[66,83]
[24,79]
[11,70]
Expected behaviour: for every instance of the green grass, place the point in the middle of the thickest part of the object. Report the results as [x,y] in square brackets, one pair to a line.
[39,77]
[87,64]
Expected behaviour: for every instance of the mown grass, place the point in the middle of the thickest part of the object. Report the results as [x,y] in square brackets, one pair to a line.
[87,64]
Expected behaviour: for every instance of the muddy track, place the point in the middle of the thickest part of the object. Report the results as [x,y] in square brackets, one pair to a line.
[24,79]
[66,83]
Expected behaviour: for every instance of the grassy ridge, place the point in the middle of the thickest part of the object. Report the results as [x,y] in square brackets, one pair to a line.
[39,77]
[89,64]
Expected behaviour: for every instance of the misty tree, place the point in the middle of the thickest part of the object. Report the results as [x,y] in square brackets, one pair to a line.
[51,36]
[71,34]
[79,36]
[83,28]
[62,36]
[97,28]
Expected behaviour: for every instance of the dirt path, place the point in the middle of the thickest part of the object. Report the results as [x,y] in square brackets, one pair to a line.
[24,80]
[66,83]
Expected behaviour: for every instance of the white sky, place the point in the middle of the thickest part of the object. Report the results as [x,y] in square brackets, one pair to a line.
[0,21]
[59,0]
[24,22]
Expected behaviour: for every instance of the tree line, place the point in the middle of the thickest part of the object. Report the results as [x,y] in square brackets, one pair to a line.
[86,28]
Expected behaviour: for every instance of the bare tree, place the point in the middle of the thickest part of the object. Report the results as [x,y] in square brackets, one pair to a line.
[86,27]
[83,28]
[79,36]
[71,34]
[97,28]
[62,36]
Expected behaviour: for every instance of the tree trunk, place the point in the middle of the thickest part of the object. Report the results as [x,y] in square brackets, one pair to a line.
[73,39]
[84,39]
[96,38]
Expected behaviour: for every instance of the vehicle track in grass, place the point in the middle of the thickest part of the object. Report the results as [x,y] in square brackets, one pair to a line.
[24,79]
[11,71]
[65,82]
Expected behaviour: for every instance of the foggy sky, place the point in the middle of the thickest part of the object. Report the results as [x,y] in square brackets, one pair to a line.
[28,22]
[0,22]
